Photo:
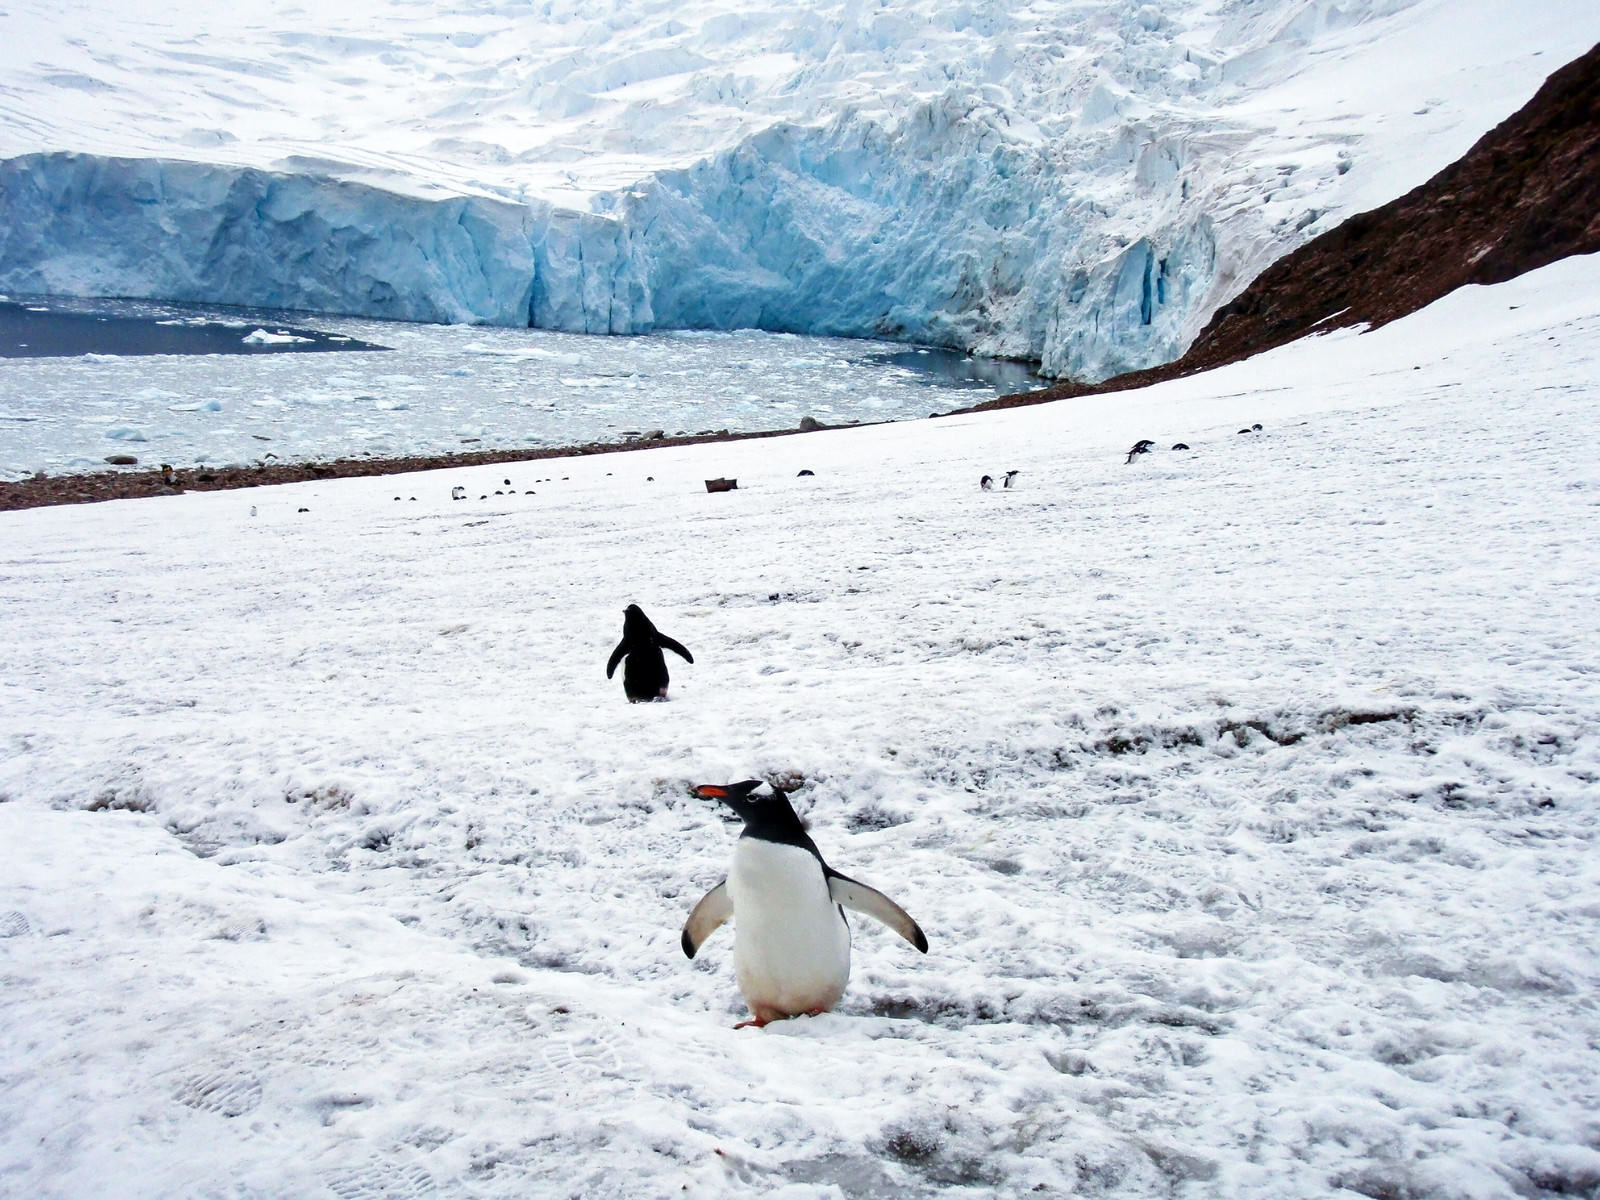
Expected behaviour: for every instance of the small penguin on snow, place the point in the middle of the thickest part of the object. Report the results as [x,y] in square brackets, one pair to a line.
[987,483]
[645,677]
[1010,475]
[1142,446]
[791,943]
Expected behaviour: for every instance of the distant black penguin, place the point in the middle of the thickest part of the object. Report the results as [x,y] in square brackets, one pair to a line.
[791,945]
[645,677]
[987,483]
[1010,475]
[1142,446]
[1180,445]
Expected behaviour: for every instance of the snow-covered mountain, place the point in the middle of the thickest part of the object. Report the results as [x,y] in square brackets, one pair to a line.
[1081,183]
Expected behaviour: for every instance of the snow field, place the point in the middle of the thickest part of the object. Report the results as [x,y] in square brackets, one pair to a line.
[1246,795]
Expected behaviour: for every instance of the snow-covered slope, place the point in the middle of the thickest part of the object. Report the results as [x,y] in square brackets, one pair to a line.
[1080,183]
[1246,794]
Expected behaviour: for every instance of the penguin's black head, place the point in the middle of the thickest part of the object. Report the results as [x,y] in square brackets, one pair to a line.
[634,621]
[769,816]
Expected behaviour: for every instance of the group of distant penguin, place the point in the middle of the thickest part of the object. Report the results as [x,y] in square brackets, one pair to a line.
[987,482]
[1142,446]
[1145,445]
[791,942]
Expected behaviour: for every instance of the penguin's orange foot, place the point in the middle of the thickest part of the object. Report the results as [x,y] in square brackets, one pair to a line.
[757,1022]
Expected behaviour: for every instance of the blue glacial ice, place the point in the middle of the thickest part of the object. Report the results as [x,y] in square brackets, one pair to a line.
[949,234]
[1077,183]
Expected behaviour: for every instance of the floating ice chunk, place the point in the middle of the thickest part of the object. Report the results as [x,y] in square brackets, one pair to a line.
[559,357]
[197,406]
[390,404]
[261,337]
[126,433]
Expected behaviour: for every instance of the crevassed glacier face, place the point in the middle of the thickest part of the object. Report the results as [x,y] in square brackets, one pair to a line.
[83,225]
[942,233]
[945,231]
[1075,183]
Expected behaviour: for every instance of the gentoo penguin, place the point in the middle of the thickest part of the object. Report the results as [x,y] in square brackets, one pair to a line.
[791,944]
[1010,475]
[987,483]
[645,677]
[1142,446]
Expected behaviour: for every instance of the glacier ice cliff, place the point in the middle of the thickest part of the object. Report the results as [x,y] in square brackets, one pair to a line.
[947,230]
[1075,183]
[84,225]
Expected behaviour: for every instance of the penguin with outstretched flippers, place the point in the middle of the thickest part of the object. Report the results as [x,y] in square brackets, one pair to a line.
[791,943]
[645,676]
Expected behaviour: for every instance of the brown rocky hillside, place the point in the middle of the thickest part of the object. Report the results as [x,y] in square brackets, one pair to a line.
[1527,194]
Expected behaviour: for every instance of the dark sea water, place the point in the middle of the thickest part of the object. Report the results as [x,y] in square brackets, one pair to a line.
[84,381]
[46,328]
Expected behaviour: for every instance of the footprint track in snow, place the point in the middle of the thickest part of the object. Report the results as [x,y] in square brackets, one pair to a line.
[14,924]
[382,1181]
[227,1094]
[573,1059]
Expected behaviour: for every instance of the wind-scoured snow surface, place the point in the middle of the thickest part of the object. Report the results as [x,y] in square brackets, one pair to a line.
[1247,795]
[1080,183]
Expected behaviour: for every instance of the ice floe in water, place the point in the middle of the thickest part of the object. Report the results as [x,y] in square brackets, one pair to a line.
[513,387]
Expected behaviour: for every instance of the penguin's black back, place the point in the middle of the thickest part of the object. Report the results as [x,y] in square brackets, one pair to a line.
[645,675]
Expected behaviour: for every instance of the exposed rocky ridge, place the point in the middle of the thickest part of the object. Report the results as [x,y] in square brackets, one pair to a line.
[1525,195]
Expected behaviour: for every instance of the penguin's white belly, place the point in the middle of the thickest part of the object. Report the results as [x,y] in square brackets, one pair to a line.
[791,946]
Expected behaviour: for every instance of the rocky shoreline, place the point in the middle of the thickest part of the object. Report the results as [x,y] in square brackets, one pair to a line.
[44,490]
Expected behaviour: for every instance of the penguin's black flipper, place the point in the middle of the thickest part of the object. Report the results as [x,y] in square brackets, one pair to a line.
[667,643]
[714,908]
[616,657]
[852,893]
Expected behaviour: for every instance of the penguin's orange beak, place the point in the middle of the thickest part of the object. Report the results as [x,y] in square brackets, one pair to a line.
[710,791]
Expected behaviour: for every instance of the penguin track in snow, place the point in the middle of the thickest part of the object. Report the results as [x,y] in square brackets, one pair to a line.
[14,924]
[382,1180]
[571,1058]
[224,1093]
